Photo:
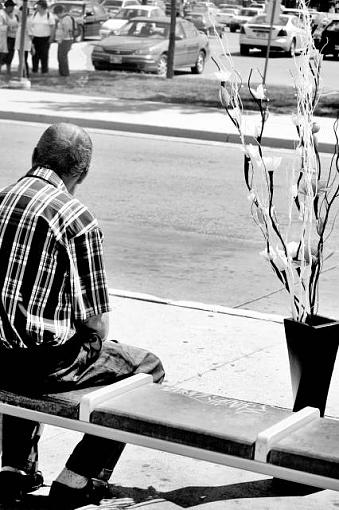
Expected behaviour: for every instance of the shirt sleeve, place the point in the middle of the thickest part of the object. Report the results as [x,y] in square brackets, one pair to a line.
[89,286]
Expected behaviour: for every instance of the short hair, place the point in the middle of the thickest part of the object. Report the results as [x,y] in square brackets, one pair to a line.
[59,9]
[65,148]
[42,3]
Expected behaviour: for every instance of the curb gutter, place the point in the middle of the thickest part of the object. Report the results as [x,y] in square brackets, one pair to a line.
[175,132]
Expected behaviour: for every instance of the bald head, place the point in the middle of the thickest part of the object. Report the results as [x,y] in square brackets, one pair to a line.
[64,148]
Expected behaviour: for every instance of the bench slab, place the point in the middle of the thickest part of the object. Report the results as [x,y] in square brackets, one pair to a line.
[314,448]
[211,422]
[65,404]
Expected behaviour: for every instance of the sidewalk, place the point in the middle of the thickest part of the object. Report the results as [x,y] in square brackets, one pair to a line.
[217,350]
[187,121]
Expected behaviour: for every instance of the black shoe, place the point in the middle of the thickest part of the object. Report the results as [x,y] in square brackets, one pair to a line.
[67,498]
[15,485]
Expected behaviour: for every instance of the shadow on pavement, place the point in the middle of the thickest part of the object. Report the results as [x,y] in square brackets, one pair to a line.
[185,497]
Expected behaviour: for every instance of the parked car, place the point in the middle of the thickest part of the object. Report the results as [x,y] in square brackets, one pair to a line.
[327,39]
[88,14]
[113,6]
[142,45]
[243,17]
[225,15]
[288,35]
[206,23]
[112,25]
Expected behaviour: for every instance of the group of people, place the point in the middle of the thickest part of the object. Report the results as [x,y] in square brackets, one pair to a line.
[42,28]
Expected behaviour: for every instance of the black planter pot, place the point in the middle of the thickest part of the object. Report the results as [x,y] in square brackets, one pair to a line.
[312,350]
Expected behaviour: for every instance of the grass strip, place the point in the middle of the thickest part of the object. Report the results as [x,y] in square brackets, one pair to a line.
[182,89]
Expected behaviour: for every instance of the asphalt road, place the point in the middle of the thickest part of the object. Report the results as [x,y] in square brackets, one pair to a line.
[176,219]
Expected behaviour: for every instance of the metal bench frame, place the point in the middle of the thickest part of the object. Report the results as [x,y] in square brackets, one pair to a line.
[262,446]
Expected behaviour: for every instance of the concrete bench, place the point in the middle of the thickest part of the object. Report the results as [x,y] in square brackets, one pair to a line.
[301,446]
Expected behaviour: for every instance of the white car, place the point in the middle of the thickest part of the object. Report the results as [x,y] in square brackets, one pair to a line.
[288,35]
[112,25]
[245,15]
[225,15]
[113,6]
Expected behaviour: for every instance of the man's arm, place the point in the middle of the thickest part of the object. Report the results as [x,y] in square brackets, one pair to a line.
[96,324]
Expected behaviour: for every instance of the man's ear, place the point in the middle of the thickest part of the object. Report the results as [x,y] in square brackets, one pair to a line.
[34,155]
[82,176]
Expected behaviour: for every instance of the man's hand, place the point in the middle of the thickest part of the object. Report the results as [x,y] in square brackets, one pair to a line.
[98,324]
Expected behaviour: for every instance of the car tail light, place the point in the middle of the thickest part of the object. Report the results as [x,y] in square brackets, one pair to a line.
[242,30]
[282,33]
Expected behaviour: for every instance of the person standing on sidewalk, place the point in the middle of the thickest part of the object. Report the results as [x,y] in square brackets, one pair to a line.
[27,40]
[64,36]
[3,36]
[54,316]
[12,27]
[43,32]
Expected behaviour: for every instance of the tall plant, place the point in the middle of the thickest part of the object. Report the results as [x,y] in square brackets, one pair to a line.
[295,252]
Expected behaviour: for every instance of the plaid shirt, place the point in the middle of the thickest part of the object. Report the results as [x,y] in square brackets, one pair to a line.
[51,271]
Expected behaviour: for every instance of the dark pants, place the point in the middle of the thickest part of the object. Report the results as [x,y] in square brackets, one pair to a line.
[10,53]
[63,49]
[41,49]
[89,365]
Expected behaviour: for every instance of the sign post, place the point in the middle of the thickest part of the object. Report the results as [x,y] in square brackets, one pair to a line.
[272,15]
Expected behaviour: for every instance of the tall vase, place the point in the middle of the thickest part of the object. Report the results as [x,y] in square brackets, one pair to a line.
[312,350]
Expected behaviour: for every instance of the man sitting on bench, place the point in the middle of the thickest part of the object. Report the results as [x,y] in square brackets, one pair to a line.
[54,316]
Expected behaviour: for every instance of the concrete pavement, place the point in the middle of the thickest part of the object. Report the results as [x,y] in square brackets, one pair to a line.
[187,121]
[207,348]
[204,347]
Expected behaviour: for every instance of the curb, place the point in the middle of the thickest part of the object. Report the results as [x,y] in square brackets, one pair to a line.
[175,132]
[194,305]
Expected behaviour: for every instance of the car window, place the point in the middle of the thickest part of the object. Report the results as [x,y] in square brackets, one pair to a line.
[282,20]
[190,30]
[75,10]
[333,27]
[145,29]
[112,3]
[248,12]
[179,31]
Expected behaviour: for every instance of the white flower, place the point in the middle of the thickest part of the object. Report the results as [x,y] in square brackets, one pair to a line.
[271,164]
[223,75]
[259,92]
[292,249]
[294,190]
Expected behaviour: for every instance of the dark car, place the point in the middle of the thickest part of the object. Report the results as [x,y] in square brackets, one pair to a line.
[142,45]
[327,39]
[89,16]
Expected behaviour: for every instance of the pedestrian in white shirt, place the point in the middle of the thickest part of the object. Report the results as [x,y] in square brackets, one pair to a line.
[3,36]
[12,27]
[43,32]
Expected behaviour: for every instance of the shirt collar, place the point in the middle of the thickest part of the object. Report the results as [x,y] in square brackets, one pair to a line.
[47,175]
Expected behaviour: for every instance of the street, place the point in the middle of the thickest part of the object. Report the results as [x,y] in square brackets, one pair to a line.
[278,71]
[176,229]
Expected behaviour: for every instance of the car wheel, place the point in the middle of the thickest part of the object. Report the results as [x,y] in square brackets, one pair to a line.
[244,50]
[162,65]
[291,51]
[200,63]
[81,34]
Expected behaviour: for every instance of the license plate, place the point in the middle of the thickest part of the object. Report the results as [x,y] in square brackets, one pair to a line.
[115,59]
[262,35]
